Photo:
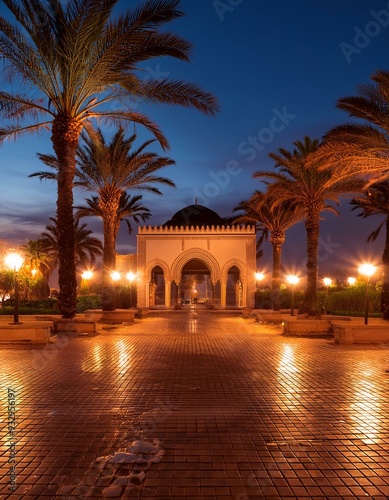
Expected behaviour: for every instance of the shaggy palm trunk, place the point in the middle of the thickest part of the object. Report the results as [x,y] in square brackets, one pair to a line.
[385,275]
[65,133]
[312,227]
[276,240]
[109,208]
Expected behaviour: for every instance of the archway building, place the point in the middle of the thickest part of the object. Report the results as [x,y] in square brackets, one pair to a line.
[196,257]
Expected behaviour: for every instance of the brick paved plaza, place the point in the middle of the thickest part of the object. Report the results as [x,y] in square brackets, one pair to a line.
[193,405]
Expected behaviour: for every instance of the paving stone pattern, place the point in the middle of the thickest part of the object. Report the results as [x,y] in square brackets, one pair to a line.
[227,409]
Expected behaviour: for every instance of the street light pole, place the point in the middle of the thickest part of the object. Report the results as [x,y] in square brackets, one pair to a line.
[14,262]
[367,270]
[293,280]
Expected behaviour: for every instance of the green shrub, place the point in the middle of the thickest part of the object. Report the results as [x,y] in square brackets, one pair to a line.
[85,302]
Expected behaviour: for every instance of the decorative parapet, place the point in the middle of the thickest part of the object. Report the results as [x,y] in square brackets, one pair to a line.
[197,230]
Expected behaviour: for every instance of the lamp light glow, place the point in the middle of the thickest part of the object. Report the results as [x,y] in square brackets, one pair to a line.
[292,279]
[14,261]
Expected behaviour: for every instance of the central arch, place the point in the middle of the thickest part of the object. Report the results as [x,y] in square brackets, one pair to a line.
[195,254]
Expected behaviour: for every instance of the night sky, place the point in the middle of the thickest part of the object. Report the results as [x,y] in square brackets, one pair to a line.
[277,69]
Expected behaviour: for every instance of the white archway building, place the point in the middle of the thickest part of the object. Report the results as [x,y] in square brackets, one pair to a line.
[196,240]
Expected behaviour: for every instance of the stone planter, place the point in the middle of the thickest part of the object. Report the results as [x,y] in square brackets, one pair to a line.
[34,332]
[247,312]
[74,326]
[360,334]
[298,327]
[116,316]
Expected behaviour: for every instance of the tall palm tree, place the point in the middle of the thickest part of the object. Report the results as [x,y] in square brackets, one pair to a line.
[130,207]
[272,221]
[87,247]
[311,189]
[68,63]
[110,169]
[375,201]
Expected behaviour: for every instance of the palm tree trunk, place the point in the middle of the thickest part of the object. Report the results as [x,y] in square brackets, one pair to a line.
[65,133]
[385,275]
[109,210]
[312,227]
[277,242]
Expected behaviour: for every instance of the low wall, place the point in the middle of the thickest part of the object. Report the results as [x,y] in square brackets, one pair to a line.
[296,326]
[34,332]
[74,326]
[118,315]
[360,334]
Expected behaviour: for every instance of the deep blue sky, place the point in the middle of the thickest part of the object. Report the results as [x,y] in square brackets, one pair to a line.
[262,59]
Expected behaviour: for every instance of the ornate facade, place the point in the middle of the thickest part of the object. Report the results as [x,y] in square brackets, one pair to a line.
[223,257]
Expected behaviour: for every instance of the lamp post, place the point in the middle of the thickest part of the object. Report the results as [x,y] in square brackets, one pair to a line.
[86,276]
[14,262]
[327,283]
[131,277]
[292,280]
[367,270]
[258,278]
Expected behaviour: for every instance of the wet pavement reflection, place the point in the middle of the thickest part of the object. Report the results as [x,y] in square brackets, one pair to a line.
[194,404]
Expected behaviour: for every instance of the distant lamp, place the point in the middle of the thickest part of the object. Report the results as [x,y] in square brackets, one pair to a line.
[351,281]
[14,261]
[34,271]
[327,283]
[259,276]
[86,277]
[292,280]
[367,270]
[131,277]
[115,276]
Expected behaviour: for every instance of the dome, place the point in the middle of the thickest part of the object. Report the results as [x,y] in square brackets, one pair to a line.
[196,215]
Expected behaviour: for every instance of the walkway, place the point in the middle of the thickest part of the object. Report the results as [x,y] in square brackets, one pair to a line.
[200,406]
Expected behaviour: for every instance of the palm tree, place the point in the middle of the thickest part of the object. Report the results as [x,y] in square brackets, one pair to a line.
[361,148]
[76,60]
[130,207]
[87,247]
[311,189]
[110,169]
[35,257]
[272,222]
[375,201]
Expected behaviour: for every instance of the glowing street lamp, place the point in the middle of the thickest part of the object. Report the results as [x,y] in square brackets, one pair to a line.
[259,276]
[14,262]
[367,270]
[351,281]
[327,283]
[115,276]
[292,280]
[86,277]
